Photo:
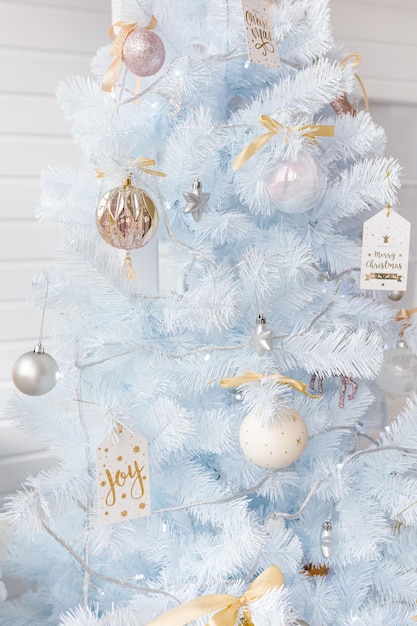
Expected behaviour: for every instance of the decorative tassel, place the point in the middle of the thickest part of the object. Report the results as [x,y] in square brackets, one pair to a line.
[128,267]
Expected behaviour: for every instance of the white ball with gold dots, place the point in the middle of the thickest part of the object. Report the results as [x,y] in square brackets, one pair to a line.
[273,443]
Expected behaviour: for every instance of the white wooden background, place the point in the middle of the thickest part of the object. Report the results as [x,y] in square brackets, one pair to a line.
[41,43]
[44,41]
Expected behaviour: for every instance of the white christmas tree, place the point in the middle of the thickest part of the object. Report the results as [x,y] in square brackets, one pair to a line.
[256,500]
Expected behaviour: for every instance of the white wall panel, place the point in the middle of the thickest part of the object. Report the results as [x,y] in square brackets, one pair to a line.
[38,71]
[32,115]
[18,198]
[27,240]
[52,28]
[383,32]
[42,42]
[27,156]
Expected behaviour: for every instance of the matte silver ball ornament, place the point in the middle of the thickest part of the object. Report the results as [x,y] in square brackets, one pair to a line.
[35,373]
[396,295]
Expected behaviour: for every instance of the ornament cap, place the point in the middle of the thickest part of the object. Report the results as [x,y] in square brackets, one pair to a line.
[39,349]
[401,344]
[197,185]
[261,319]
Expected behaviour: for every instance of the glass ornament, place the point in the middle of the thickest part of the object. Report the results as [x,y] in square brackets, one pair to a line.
[126,217]
[35,373]
[275,443]
[143,52]
[296,187]
[398,374]
[326,539]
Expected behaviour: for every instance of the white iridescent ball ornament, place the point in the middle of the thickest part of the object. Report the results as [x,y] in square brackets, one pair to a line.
[274,443]
[296,186]
[398,374]
[35,373]
[143,52]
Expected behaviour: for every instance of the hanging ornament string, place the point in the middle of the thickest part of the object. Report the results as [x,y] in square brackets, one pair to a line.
[250,377]
[308,131]
[39,344]
[355,59]
[112,74]
[227,606]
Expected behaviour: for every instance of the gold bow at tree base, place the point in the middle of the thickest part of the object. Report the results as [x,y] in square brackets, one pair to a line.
[226,608]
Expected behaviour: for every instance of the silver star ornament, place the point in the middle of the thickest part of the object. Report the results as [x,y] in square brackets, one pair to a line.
[261,337]
[196,201]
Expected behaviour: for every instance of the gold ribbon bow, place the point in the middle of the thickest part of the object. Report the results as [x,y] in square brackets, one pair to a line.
[142,163]
[309,131]
[250,377]
[112,74]
[227,606]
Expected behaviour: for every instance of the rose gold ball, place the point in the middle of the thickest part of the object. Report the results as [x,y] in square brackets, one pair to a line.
[143,52]
[126,217]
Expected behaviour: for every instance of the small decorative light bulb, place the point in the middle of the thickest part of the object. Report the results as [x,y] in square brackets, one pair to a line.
[274,523]
[326,539]
[261,337]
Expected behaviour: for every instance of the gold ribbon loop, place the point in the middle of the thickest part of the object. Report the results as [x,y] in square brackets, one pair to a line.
[142,163]
[250,377]
[355,59]
[309,131]
[112,74]
[227,607]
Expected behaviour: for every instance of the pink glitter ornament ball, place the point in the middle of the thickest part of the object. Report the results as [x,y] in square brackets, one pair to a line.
[296,187]
[143,52]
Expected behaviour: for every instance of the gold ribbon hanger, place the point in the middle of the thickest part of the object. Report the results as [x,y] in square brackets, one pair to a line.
[250,377]
[309,131]
[141,163]
[355,59]
[227,607]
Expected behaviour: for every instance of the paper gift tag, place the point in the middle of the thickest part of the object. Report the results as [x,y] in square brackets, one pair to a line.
[262,46]
[385,252]
[123,478]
